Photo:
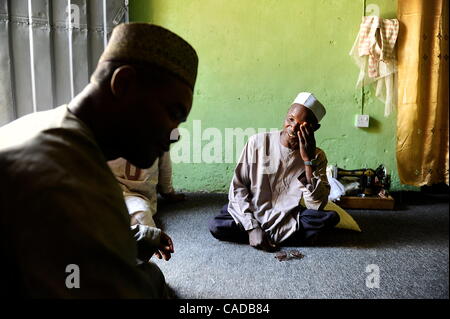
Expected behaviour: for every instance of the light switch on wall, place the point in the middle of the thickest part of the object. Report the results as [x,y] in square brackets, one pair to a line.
[362,120]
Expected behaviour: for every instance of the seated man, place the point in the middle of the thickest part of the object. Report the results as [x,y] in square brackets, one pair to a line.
[276,170]
[60,205]
[141,187]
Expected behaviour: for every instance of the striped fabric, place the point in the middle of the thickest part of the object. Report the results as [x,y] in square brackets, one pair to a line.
[376,39]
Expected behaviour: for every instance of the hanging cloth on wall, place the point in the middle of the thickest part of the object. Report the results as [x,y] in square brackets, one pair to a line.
[374,53]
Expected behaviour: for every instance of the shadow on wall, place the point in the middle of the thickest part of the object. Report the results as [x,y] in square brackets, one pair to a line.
[374,126]
[142,11]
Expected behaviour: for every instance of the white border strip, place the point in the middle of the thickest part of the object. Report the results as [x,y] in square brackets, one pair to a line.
[127,12]
[70,27]
[30,36]
[105,26]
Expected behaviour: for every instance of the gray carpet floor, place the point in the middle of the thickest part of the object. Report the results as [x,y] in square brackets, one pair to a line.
[409,246]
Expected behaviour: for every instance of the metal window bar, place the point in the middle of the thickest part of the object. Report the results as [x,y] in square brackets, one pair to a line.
[105,25]
[70,29]
[49,48]
[32,63]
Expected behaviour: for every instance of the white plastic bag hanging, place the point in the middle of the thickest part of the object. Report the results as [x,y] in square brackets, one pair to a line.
[336,188]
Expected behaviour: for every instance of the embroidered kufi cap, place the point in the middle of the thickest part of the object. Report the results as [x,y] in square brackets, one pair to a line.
[149,43]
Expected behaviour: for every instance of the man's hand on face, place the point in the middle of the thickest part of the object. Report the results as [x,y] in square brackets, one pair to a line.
[165,248]
[258,239]
[307,142]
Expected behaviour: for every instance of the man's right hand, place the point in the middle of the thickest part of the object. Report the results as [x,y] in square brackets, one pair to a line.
[258,239]
[165,247]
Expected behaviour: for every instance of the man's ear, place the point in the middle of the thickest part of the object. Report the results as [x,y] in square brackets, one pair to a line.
[122,79]
[317,126]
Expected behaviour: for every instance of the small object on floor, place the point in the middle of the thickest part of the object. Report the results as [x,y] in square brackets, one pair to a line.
[287,255]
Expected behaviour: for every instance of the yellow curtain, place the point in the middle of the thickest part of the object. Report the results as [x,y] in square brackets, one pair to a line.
[422,123]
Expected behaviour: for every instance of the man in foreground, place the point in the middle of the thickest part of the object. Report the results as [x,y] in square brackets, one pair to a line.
[65,229]
[275,172]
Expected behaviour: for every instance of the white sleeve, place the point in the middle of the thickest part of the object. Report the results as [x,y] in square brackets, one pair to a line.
[239,195]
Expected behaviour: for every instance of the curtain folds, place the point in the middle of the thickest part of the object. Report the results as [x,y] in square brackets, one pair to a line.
[422,123]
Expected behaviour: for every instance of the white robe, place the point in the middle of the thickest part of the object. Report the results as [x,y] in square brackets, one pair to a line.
[266,190]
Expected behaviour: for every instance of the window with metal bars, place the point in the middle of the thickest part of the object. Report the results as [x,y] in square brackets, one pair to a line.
[49,49]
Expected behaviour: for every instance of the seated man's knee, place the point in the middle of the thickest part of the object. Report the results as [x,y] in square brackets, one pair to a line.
[334,218]
[222,230]
[214,228]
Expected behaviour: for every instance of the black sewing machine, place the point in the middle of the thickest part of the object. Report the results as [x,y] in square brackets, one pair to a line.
[365,181]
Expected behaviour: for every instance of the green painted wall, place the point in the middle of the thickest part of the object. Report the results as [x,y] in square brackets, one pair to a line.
[255,56]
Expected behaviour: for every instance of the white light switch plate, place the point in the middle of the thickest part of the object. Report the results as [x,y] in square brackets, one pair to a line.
[362,120]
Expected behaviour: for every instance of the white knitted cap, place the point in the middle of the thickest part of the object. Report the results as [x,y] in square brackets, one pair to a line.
[309,100]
